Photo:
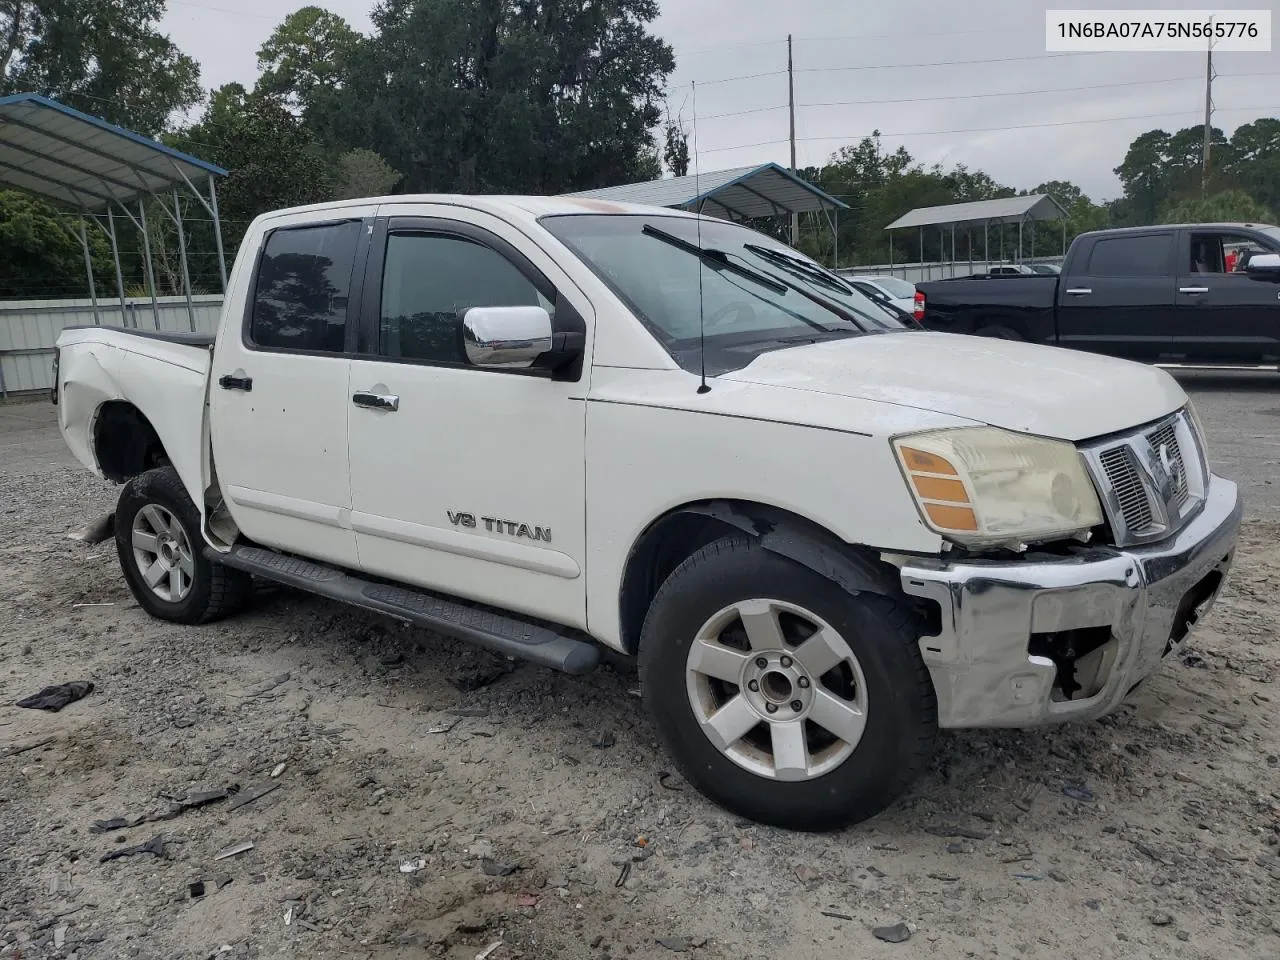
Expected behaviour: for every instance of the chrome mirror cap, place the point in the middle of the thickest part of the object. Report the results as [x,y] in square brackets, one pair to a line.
[509,337]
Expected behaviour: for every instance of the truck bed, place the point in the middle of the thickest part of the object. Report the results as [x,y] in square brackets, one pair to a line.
[1024,304]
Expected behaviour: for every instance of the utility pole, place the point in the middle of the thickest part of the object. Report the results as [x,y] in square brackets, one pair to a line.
[1208,120]
[791,98]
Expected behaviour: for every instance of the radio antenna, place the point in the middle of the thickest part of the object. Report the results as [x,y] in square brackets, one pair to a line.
[697,191]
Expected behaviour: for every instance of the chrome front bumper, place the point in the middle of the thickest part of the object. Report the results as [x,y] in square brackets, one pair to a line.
[981,661]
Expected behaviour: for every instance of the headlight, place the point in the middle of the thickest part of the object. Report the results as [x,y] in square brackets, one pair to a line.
[986,486]
[1197,427]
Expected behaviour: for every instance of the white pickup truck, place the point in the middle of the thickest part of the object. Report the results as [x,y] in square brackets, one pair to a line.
[551,425]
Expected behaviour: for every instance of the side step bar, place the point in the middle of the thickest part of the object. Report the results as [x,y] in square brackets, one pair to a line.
[500,632]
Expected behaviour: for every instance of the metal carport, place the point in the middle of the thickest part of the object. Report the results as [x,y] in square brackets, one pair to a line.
[1020,210]
[96,170]
[743,193]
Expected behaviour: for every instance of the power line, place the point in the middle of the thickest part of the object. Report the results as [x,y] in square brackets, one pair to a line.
[1017,126]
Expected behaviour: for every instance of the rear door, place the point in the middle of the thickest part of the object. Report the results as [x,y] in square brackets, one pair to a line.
[1119,296]
[279,397]
[1223,317]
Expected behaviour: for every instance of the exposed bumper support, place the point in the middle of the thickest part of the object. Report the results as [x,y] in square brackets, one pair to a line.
[981,662]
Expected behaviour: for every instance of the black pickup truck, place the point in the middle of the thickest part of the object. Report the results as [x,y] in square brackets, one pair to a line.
[1160,293]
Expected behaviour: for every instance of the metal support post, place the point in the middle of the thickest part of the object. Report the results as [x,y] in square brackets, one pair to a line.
[182,258]
[986,244]
[88,269]
[217,234]
[930,275]
[146,259]
[1019,241]
[115,256]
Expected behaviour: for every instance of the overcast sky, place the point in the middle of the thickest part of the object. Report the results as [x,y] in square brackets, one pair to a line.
[900,56]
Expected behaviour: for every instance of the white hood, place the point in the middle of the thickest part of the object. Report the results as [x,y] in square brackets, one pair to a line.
[1047,391]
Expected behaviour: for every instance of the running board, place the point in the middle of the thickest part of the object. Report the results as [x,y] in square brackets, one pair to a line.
[484,626]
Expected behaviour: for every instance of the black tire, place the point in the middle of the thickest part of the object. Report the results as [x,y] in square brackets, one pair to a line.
[215,591]
[1000,332]
[901,716]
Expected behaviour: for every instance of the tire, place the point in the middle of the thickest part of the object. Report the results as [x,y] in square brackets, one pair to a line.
[846,781]
[1000,333]
[156,523]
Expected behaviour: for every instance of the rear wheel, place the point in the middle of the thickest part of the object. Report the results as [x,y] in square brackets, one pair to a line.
[1000,332]
[159,545]
[782,696]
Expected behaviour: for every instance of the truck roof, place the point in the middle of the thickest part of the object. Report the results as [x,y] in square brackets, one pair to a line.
[1179,226]
[527,208]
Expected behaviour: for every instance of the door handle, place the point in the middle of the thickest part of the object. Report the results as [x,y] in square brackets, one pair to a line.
[1079,291]
[230,382]
[377,401]
[1193,290]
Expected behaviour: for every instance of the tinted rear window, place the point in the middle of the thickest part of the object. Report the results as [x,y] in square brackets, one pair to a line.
[1142,256]
[304,278]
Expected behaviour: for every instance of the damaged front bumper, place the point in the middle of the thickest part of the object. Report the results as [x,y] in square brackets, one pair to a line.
[1037,642]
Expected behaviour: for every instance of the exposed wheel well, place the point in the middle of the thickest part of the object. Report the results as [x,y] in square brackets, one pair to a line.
[124,442]
[673,537]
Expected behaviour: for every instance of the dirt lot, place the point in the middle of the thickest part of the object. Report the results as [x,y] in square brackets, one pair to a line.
[1153,833]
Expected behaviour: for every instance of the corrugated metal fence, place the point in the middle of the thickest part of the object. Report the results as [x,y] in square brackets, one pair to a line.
[29,329]
[918,272]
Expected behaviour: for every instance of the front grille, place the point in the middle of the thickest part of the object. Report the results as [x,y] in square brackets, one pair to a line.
[1167,437]
[1130,492]
[1151,481]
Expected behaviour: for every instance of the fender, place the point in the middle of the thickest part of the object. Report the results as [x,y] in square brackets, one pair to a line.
[806,544]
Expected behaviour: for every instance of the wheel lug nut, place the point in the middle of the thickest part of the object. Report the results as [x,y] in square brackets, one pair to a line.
[797,706]
[753,686]
[785,661]
[804,683]
[771,707]
[761,662]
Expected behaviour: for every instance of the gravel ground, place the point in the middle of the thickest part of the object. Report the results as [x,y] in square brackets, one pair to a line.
[535,810]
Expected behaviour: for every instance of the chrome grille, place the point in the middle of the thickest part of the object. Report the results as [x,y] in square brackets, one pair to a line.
[1126,483]
[1151,481]
[1167,437]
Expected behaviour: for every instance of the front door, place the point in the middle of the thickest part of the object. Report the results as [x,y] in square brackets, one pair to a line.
[464,480]
[280,390]
[1118,299]
[1223,316]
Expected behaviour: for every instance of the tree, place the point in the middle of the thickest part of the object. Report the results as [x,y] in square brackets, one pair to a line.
[505,95]
[308,55]
[103,57]
[1229,206]
[362,173]
[39,258]
[675,150]
[273,159]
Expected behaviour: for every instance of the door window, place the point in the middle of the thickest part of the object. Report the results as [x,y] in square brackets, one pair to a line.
[1141,256]
[1220,253]
[430,280]
[304,279]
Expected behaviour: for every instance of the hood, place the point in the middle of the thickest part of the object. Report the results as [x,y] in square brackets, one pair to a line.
[1046,391]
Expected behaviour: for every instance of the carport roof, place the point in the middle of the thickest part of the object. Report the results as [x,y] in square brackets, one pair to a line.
[762,190]
[84,162]
[1037,206]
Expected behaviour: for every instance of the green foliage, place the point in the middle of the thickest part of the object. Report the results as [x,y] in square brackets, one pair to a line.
[103,57]
[307,56]
[362,173]
[675,149]
[1228,206]
[40,258]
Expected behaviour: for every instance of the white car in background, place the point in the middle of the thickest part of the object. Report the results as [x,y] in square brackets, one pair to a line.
[901,293]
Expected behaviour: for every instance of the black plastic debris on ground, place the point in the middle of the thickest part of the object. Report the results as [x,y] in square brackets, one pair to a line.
[56,697]
[897,933]
[115,823]
[154,846]
[492,868]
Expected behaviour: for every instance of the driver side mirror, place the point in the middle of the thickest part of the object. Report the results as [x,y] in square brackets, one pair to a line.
[1264,266]
[516,338]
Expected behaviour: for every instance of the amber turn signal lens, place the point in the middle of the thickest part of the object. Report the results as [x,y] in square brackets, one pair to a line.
[951,518]
[918,460]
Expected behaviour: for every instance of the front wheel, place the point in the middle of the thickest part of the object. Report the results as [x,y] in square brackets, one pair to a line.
[159,544]
[780,695]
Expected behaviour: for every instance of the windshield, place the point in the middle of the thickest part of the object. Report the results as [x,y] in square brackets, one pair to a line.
[1271,232]
[898,289]
[756,294]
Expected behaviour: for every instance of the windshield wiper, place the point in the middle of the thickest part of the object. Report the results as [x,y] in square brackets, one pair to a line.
[808,270]
[843,312]
[715,258]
